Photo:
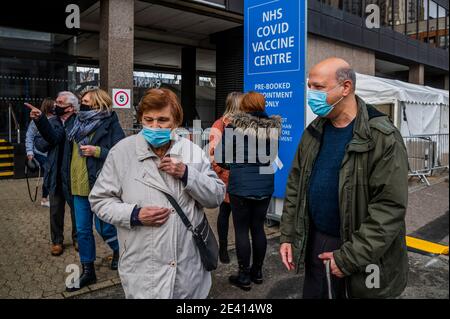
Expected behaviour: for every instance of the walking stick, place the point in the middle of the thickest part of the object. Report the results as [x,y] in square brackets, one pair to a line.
[328,272]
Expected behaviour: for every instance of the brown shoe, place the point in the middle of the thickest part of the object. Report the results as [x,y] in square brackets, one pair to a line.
[57,249]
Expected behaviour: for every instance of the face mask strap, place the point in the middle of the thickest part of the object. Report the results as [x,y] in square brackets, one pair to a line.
[340,100]
[334,104]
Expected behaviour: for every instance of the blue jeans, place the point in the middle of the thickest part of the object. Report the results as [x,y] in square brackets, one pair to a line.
[85,235]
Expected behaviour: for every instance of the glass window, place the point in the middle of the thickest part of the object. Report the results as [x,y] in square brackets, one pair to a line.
[441,30]
[28,80]
[432,23]
[86,78]
[386,10]
[385,7]
[443,40]
[446,29]
[411,18]
[399,15]
[43,42]
[423,21]
[207,81]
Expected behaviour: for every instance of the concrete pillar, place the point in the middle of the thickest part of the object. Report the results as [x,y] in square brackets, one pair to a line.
[116,50]
[188,84]
[417,74]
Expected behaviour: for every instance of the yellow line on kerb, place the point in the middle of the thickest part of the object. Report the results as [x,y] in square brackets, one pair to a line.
[426,246]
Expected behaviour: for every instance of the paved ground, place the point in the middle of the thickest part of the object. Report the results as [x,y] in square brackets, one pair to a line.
[428,279]
[28,271]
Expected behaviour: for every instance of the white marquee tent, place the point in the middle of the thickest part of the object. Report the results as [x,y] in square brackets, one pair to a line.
[418,110]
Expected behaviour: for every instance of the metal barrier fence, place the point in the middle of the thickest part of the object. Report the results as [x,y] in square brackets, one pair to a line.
[427,153]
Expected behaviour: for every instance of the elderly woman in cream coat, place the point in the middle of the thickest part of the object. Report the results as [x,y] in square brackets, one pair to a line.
[158,255]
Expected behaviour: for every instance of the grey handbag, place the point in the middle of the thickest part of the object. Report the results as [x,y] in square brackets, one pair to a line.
[203,237]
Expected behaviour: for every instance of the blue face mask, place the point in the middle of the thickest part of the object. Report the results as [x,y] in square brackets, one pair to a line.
[317,101]
[156,137]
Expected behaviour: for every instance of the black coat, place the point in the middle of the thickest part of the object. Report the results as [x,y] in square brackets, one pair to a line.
[53,140]
[105,136]
[246,179]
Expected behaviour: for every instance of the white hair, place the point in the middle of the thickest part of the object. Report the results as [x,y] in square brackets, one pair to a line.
[71,99]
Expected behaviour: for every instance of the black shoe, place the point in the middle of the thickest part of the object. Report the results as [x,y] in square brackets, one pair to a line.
[223,252]
[87,277]
[256,274]
[242,279]
[115,260]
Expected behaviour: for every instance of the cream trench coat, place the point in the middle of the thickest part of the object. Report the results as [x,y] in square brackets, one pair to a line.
[157,262]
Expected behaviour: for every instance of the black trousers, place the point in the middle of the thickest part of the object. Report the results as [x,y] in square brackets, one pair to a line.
[57,211]
[223,221]
[249,216]
[315,285]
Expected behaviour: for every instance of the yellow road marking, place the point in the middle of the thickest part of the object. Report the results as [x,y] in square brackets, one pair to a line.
[426,246]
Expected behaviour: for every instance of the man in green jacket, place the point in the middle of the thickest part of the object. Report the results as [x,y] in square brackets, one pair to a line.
[346,195]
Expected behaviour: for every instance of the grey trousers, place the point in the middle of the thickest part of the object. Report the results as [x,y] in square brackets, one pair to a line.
[57,211]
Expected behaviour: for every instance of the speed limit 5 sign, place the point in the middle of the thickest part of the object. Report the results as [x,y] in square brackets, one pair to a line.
[121,98]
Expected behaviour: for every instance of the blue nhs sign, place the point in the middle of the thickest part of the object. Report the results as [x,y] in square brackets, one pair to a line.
[272,32]
[274,65]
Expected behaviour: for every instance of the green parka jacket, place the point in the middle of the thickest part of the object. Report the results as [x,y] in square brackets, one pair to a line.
[373,195]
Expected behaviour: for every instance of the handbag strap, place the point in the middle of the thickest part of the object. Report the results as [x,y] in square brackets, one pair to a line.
[180,212]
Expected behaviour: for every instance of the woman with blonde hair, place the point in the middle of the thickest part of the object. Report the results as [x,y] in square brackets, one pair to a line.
[95,131]
[251,183]
[232,106]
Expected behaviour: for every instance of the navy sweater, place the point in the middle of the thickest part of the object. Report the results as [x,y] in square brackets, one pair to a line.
[323,196]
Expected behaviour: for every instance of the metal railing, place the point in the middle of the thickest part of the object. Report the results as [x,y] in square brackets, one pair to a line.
[12,115]
[427,153]
[441,150]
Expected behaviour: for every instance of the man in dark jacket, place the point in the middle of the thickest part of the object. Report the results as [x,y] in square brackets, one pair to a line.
[346,195]
[54,141]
